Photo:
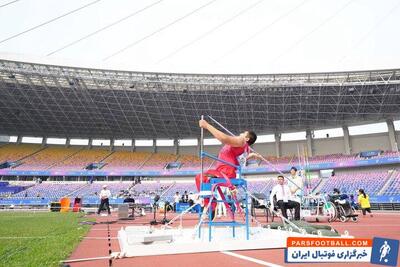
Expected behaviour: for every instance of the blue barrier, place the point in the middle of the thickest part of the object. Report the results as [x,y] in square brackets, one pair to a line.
[46,201]
[181,207]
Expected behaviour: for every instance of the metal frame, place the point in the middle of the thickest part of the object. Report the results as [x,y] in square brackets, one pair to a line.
[57,101]
[239,182]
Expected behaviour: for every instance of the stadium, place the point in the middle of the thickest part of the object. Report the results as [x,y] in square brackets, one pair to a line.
[69,133]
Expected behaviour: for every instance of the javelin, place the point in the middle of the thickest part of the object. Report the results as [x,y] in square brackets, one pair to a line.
[253,150]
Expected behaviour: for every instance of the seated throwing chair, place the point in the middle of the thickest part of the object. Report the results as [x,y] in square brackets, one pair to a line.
[209,184]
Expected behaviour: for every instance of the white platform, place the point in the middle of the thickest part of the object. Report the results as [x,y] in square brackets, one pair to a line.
[134,240]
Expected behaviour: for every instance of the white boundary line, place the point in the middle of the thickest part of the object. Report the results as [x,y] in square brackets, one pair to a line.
[87,259]
[27,237]
[101,238]
[264,263]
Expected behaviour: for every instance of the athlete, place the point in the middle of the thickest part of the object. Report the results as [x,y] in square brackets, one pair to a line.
[234,146]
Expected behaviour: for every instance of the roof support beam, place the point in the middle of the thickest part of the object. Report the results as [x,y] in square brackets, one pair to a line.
[392,136]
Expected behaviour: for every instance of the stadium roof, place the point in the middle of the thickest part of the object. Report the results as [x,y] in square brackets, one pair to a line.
[49,100]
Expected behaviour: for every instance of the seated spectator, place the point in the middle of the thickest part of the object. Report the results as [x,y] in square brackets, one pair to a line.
[191,200]
[185,197]
[129,199]
[284,198]
[338,197]
[177,198]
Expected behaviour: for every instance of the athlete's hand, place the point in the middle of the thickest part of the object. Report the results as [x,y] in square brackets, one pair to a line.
[203,124]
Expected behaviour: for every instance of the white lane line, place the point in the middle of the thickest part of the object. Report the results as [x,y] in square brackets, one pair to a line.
[87,259]
[100,238]
[264,263]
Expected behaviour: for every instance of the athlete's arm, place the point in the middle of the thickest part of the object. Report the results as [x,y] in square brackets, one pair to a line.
[254,155]
[235,141]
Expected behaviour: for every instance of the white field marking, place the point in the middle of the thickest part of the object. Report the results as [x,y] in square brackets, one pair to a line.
[87,259]
[111,229]
[100,238]
[263,263]
[27,237]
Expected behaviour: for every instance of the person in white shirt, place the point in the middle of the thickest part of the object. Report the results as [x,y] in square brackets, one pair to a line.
[104,195]
[284,198]
[297,186]
[177,197]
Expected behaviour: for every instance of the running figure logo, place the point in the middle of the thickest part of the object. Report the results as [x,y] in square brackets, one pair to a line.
[384,251]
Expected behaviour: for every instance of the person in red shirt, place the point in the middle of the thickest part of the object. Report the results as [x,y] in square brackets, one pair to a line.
[234,146]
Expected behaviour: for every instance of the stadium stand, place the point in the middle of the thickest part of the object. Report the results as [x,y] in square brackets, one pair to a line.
[123,160]
[393,187]
[158,161]
[36,157]
[7,190]
[46,158]
[49,190]
[193,162]
[12,152]
[81,159]
[90,191]
[371,182]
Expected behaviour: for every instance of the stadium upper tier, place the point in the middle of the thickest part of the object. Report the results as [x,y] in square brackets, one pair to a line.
[48,100]
[46,158]
[81,159]
[158,161]
[13,153]
[36,158]
[125,160]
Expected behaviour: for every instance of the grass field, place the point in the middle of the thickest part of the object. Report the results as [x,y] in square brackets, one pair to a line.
[39,239]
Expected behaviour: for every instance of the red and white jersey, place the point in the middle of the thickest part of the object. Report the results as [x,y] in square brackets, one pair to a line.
[230,154]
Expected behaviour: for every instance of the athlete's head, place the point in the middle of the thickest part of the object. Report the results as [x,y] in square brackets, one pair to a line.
[250,137]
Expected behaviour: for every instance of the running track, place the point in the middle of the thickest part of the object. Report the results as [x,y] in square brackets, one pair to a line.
[101,241]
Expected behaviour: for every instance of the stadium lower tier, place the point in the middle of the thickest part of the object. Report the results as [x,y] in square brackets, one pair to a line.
[382,186]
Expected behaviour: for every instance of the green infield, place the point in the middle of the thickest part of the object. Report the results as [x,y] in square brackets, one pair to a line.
[39,239]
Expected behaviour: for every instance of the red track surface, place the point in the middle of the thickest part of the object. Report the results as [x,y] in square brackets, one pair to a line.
[98,244]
